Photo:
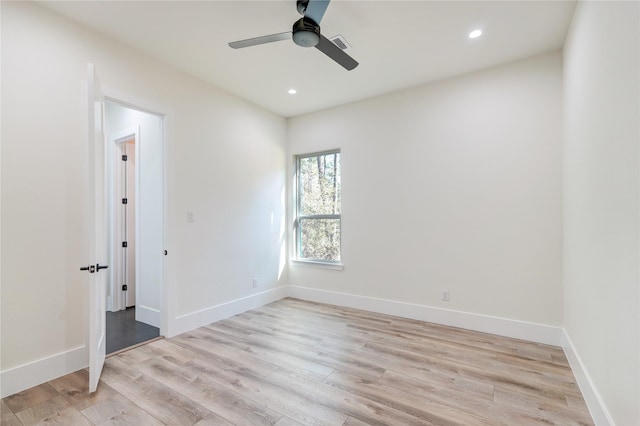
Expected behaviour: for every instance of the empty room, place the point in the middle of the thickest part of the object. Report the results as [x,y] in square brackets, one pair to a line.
[320,212]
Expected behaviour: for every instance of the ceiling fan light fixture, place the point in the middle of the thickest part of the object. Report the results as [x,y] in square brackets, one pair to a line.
[306,38]
[475,33]
[306,33]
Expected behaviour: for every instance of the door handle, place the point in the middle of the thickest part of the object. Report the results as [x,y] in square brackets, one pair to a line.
[98,267]
[89,268]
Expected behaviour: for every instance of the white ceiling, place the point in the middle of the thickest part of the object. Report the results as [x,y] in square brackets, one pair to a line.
[399,44]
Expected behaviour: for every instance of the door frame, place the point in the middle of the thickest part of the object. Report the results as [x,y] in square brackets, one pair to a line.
[113,142]
[167,307]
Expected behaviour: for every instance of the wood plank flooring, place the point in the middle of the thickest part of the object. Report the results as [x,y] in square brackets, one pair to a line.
[300,363]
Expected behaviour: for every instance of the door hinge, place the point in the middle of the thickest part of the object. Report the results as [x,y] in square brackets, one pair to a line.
[124,244]
[124,201]
[124,157]
[165,252]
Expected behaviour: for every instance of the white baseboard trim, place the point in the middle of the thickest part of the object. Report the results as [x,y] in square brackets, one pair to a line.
[148,315]
[34,373]
[17,379]
[592,398]
[22,377]
[206,316]
[538,333]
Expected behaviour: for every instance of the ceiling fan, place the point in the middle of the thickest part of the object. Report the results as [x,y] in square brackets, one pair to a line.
[306,33]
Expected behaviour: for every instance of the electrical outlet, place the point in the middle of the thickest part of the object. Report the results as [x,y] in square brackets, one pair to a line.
[255,282]
[445,295]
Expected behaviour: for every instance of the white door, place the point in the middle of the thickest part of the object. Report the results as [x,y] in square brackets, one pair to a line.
[98,233]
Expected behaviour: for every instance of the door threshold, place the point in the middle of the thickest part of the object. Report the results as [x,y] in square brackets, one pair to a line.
[137,345]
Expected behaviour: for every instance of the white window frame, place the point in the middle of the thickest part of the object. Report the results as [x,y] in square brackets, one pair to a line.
[337,264]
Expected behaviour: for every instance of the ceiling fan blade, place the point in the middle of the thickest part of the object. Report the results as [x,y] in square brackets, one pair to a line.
[260,40]
[327,47]
[315,10]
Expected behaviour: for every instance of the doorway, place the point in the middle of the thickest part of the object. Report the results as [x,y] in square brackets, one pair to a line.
[135,186]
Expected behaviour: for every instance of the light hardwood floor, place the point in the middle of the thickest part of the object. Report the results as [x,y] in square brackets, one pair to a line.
[294,362]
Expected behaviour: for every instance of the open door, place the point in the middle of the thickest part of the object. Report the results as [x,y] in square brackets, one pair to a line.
[98,233]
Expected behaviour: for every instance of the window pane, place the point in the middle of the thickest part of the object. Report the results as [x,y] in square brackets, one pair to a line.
[320,239]
[319,184]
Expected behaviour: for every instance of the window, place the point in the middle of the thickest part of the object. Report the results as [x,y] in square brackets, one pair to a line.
[317,218]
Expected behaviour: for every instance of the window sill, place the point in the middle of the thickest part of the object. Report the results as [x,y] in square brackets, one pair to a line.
[318,264]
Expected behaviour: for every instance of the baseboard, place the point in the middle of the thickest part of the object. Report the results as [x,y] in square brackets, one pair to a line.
[22,377]
[533,332]
[32,374]
[592,398]
[25,376]
[197,319]
[148,315]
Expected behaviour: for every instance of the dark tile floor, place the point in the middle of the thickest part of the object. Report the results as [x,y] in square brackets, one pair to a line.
[123,330]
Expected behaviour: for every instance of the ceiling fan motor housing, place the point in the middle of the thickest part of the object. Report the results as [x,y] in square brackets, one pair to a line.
[306,33]
[301,5]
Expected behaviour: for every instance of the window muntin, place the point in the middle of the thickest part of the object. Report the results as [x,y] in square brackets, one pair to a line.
[318,207]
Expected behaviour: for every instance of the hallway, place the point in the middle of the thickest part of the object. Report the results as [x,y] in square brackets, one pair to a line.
[124,331]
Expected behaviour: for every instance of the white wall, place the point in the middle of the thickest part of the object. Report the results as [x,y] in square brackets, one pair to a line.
[601,204]
[226,161]
[454,185]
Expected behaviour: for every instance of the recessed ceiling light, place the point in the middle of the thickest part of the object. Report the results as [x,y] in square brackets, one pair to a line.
[292,91]
[475,33]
